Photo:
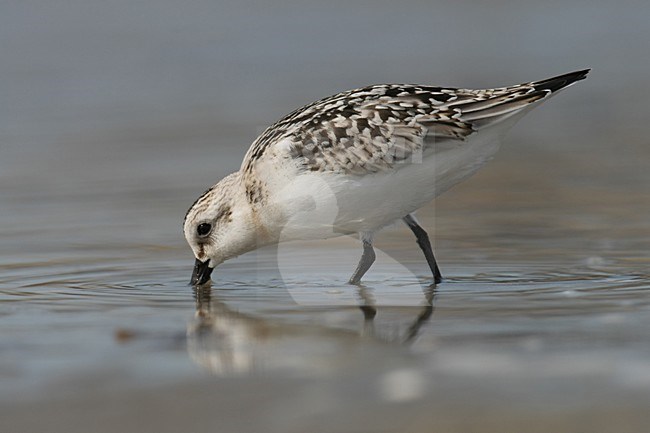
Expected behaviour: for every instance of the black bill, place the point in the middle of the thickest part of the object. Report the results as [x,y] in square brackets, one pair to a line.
[201,272]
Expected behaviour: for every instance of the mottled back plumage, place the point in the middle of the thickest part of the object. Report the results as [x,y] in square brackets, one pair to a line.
[353,163]
[372,129]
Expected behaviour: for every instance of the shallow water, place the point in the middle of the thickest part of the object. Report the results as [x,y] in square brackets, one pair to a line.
[116,123]
[542,321]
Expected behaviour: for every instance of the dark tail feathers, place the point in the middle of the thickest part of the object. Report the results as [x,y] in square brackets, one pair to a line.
[561,81]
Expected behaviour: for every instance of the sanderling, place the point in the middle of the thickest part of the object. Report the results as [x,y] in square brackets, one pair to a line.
[353,163]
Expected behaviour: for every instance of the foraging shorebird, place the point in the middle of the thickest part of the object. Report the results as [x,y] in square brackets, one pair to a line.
[353,163]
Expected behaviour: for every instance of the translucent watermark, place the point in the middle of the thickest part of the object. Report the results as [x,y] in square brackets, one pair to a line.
[315,269]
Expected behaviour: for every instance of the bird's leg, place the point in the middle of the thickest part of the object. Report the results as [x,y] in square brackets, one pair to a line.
[425,245]
[367,259]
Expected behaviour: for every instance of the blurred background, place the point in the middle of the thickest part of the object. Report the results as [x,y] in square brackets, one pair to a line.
[128,96]
[115,115]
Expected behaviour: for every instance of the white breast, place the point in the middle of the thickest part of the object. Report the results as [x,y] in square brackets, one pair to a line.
[321,205]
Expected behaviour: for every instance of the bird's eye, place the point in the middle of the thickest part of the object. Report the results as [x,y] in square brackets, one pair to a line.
[203,229]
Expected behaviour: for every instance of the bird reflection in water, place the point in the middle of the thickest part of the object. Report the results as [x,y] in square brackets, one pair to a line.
[368,308]
[228,342]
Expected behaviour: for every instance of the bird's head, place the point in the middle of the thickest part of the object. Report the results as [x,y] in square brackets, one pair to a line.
[219,226]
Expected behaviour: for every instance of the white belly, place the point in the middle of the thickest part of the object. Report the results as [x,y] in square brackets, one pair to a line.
[322,205]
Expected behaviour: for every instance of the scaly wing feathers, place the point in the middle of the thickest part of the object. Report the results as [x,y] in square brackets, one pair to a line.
[374,128]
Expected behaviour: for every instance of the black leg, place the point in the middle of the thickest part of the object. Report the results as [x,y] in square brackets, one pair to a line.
[367,259]
[425,245]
